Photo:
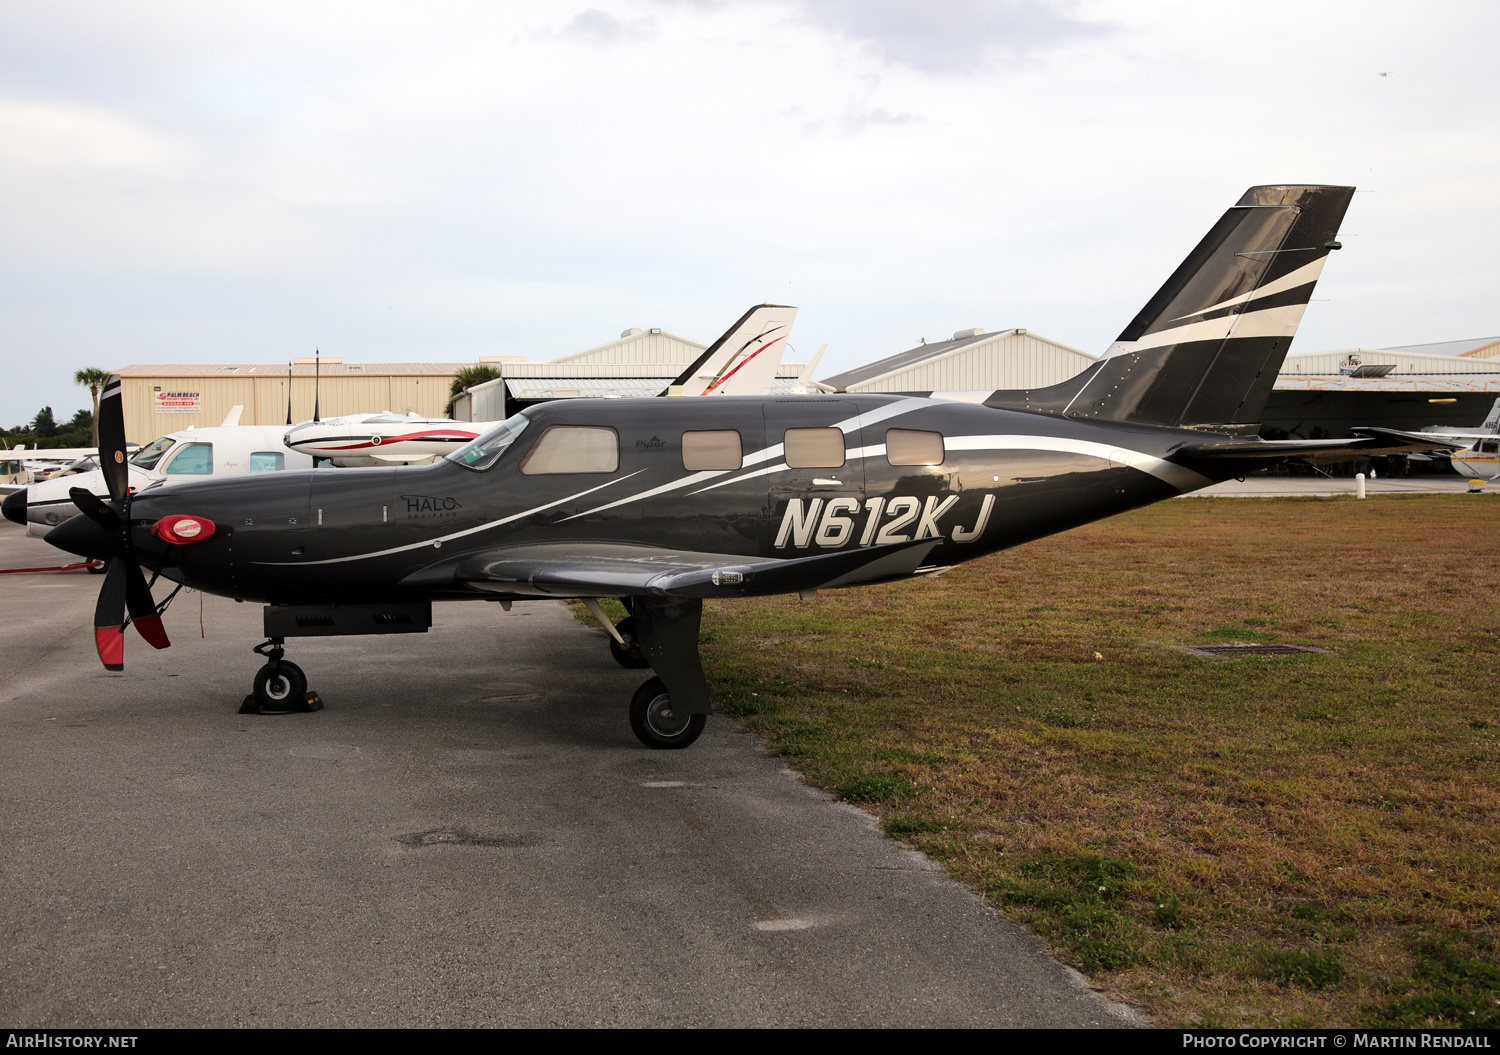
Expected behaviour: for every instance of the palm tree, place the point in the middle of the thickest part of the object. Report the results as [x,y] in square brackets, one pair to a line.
[94,379]
[468,377]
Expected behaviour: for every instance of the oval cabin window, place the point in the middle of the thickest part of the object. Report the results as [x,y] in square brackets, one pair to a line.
[814,448]
[911,447]
[716,449]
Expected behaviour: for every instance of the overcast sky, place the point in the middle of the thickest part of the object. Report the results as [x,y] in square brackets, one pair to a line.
[190,182]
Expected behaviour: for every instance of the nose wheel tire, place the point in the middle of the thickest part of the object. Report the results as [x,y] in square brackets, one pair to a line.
[280,686]
[628,655]
[656,724]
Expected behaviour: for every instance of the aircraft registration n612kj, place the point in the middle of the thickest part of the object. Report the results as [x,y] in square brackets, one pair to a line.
[663,502]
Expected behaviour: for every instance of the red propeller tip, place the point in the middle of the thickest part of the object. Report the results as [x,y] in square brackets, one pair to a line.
[152,630]
[110,641]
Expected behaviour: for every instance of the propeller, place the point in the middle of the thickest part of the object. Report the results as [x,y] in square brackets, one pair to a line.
[125,588]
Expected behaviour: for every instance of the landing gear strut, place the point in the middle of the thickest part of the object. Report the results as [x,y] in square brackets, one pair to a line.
[280,687]
[628,655]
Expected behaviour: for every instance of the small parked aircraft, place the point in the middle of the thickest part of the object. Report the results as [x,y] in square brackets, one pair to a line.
[663,502]
[741,362]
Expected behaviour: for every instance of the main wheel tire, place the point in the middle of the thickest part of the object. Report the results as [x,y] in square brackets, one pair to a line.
[628,655]
[654,722]
[280,686]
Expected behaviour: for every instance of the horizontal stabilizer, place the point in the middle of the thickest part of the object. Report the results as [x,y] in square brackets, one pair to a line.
[1367,443]
[591,569]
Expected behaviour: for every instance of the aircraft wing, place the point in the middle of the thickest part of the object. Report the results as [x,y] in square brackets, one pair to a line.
[1367,443]
[607,569]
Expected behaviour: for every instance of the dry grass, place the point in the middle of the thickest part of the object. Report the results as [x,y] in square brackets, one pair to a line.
[1282,841]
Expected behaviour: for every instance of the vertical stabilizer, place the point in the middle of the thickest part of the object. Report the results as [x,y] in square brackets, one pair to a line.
[743,362]
[1206,349]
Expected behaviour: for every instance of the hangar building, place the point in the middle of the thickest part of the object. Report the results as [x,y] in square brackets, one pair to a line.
[173,397]
[170,398]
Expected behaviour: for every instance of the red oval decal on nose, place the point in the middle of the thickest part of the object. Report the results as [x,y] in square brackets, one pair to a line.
[181,530]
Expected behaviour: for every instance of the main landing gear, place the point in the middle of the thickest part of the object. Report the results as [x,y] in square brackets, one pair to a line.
[280,687]
[655,722]
[670,710]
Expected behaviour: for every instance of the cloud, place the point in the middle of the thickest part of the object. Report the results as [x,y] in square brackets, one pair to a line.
[854,122]
[601,27]
[951,36]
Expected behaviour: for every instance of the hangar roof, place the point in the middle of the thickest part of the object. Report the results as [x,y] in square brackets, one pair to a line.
[1478,347]
[900,361]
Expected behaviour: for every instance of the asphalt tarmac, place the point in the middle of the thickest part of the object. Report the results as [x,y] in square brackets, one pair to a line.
[467,835]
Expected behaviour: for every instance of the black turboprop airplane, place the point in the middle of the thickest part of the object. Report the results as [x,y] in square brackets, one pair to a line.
[663,502]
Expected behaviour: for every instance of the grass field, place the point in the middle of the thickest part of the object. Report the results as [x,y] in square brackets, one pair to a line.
[1278,841]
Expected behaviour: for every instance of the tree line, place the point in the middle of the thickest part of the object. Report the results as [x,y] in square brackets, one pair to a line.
[46,431]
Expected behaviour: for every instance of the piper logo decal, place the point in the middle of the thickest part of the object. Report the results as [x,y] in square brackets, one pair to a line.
[833,524]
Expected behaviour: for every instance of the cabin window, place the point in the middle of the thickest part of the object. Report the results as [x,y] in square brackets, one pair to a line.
[194,459]
[712,450]
[1489,446]
[573,449]
[910,447]
[814,448]
[147,457]
[486,450]
[267,462]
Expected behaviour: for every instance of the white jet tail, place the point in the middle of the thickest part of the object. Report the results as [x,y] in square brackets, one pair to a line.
[743,362]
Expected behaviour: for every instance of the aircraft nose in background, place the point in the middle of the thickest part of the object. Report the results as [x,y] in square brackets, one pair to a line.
[85,537]
[14,507]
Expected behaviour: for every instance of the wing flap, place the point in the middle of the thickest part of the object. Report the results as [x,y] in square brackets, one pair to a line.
[584,569]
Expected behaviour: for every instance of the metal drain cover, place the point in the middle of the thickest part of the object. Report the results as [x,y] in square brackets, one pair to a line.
[1229,651]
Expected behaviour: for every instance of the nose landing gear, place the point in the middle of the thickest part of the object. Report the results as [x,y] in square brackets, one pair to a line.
[280,687]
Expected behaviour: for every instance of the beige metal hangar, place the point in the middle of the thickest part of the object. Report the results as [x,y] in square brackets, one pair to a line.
[169,398]
[971,361]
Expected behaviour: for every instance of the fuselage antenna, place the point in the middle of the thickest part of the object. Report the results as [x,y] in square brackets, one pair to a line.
[288,391]
[317,380]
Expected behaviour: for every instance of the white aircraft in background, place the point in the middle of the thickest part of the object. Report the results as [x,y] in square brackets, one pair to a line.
[193,454]
[742,362]
[1481,461]
[21,465]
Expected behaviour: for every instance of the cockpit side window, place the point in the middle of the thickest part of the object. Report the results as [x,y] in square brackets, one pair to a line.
[195,459]
[148,456]
[486,450]
[573,449]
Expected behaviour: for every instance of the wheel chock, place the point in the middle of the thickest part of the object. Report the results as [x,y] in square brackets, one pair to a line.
[309,702]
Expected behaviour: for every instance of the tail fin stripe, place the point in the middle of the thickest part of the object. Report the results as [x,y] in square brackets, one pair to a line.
[1305,274]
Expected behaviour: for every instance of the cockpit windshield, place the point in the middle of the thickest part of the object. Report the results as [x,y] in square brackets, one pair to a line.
[483,452]
[148,456]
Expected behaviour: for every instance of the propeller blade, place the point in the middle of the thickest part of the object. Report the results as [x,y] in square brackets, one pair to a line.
[109,615]
[142,608]
[93,507]
[112,439]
